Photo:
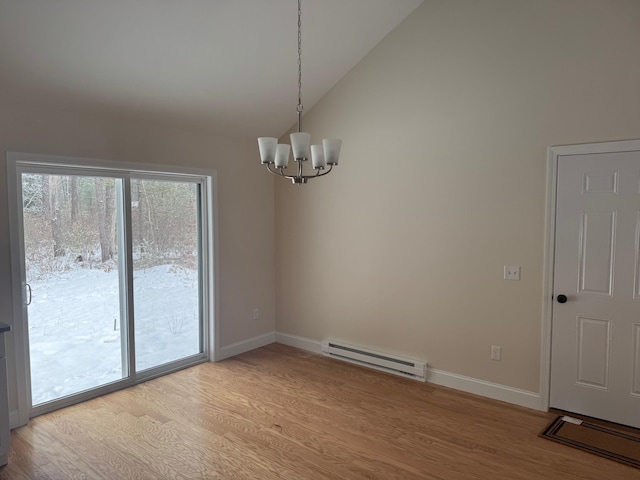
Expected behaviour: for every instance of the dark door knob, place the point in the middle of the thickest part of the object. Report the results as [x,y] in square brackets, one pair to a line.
[562,299]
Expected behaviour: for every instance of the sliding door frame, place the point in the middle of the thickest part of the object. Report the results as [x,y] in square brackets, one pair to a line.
[17,163]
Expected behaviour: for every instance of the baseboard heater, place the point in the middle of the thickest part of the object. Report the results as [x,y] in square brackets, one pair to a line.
[405,367]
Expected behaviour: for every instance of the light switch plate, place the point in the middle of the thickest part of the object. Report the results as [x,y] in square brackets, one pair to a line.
[496,352]
[512,272]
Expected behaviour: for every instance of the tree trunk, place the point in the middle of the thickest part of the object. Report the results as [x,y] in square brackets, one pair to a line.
[141,200]
[105,196]
[110,214]
[51,208]
[74,199]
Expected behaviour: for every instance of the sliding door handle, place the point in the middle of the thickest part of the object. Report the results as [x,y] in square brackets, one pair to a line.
[28,293]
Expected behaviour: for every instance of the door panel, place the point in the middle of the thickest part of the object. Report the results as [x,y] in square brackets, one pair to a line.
[594,340]
[166,280]
[75,326]
[597,231]
[594,346]
[636,359]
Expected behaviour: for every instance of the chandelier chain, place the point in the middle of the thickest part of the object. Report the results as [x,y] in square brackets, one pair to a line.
[299,108]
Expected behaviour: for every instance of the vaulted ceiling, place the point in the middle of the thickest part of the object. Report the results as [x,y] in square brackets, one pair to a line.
[229,66]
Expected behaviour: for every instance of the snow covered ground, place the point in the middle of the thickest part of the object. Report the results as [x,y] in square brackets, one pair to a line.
[75,329]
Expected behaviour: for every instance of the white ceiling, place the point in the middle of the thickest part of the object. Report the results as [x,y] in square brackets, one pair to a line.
[225,65]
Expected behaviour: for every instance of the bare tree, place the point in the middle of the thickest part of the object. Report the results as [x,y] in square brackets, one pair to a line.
[105,197]
[51,211]
[74,199]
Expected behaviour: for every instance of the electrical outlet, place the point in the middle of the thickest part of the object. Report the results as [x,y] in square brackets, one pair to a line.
[512,272]
[256,314]
[496,352]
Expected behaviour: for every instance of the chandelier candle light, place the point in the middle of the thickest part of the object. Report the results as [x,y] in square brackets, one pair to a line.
[276,155]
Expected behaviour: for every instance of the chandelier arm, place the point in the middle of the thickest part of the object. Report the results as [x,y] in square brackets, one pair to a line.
[318,174]
[280,172]
[268,165]
[275,172]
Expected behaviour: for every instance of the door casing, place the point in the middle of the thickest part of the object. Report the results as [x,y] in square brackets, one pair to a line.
[553,153]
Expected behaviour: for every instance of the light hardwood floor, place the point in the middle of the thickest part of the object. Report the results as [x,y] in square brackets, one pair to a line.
[282,413]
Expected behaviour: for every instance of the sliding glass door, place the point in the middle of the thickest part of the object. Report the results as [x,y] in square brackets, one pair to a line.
[114,265]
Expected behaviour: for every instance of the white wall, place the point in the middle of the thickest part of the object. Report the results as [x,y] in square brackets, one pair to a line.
[442,179]
[245,202]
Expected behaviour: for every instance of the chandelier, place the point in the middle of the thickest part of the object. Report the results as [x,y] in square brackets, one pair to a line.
[276,155]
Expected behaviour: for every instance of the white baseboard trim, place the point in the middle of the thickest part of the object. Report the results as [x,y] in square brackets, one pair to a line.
[299,342]
[496,391]
[245,346]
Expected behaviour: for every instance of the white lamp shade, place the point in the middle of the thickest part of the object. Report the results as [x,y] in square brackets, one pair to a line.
[282,155]
[300,143]
[317,157]
[331,150]
[267,146]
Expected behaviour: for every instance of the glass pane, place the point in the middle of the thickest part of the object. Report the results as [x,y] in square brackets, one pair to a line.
[72,227]
[166,284]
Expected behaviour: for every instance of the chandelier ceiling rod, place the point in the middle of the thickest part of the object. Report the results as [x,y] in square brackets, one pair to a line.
[299,108]
[276,155]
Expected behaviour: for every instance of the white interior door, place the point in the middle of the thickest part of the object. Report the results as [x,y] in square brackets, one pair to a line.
[595,349]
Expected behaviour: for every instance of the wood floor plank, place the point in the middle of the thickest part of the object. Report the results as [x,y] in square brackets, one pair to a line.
[282,413]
